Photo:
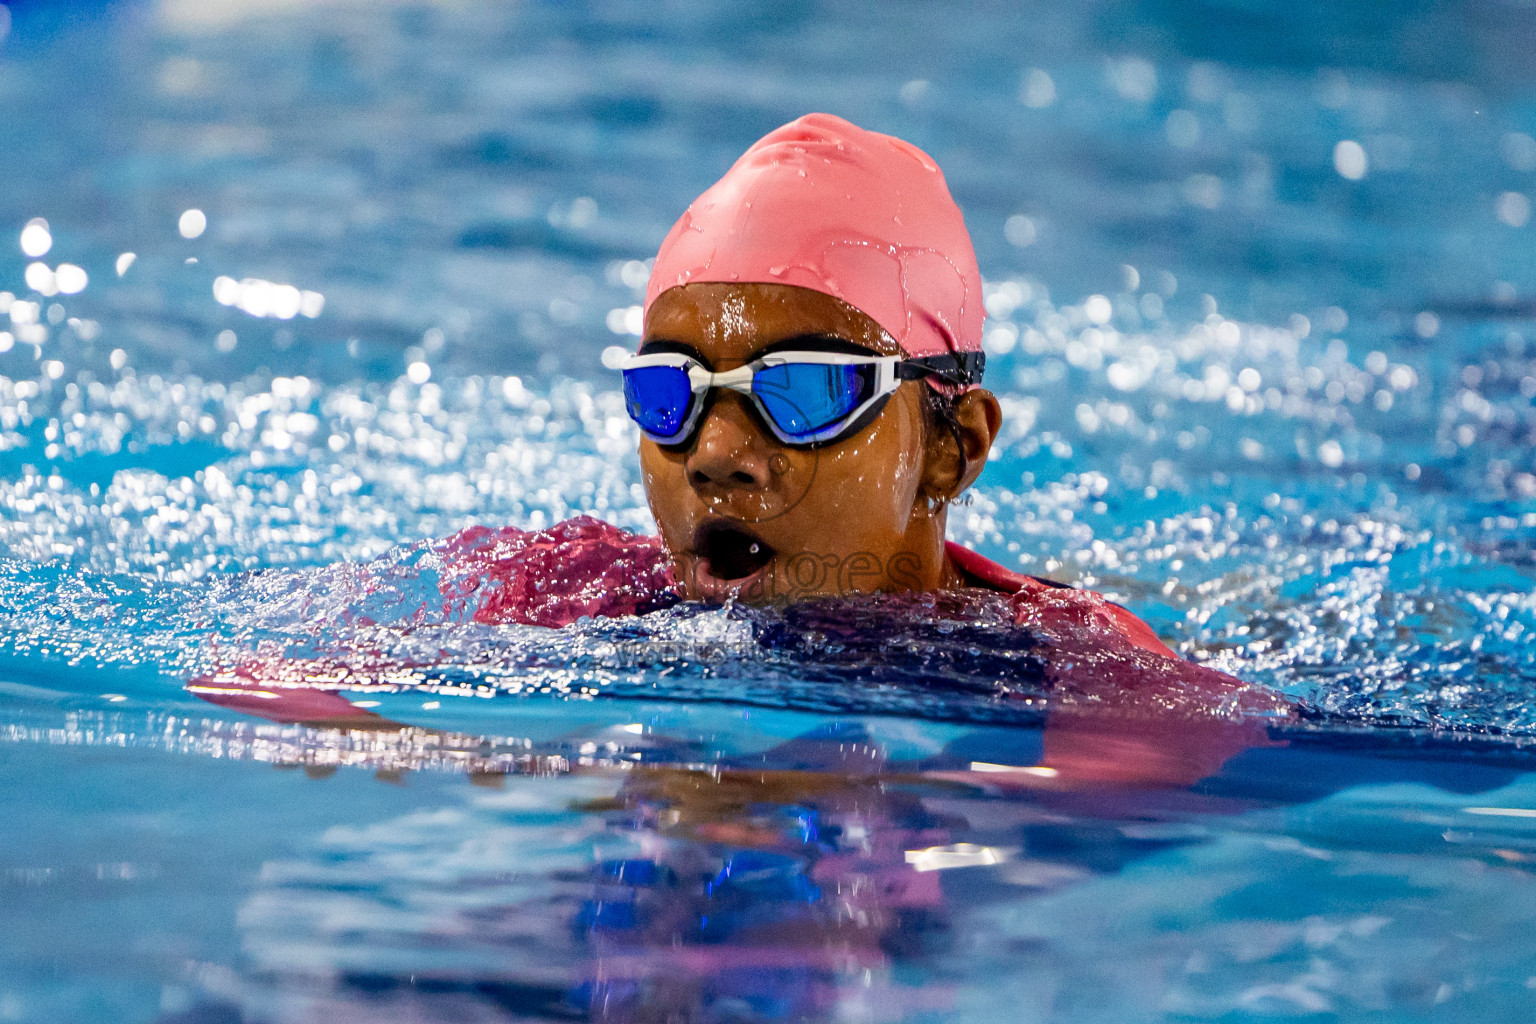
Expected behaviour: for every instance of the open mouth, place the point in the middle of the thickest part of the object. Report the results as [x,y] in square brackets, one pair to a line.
[730,551]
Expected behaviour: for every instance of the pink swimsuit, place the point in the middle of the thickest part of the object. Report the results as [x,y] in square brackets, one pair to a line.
[584,567]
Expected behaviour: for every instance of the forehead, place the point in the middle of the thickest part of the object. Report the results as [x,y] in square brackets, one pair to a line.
[732,321]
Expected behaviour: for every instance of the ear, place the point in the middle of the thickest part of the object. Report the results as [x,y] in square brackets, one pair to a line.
[948,470]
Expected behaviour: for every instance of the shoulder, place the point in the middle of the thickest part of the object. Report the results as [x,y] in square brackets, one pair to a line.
[552,577]
[1048,604]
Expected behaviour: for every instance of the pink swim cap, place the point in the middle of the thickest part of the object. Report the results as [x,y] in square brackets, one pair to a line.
[864,217]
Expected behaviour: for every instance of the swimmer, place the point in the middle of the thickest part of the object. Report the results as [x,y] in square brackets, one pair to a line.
[808,390]
[809,393]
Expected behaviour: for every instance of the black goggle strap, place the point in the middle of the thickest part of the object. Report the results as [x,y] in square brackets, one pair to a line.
[963,368]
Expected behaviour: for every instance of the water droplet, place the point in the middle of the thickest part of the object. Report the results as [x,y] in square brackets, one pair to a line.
[192,223]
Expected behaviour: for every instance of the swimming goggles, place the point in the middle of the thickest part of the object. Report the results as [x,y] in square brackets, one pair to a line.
[804,397]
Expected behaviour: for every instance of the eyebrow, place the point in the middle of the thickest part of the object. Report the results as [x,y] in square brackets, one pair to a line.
[798,343]
[664,345]
[818,343]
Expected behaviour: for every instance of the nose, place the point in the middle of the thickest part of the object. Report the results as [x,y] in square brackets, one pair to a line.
[730,453]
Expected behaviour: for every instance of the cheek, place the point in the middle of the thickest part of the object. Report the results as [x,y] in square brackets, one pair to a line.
[908,474]
[663,480]
[903,426]
[879,474]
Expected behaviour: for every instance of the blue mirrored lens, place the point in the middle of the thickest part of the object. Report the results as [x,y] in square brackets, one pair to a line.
[804,398]
[657,398]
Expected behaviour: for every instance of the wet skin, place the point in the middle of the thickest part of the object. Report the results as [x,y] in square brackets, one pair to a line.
[861,515]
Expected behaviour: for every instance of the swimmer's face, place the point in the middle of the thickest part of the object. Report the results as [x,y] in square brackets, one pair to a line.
[743,514]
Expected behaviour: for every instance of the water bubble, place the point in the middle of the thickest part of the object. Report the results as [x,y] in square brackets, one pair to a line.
[70,279]
[1519,151]
[36,239]
[285,300]
[1134,78]
[1001,299]
[582,213]
[1098,309]
[1037,90]
[1000,340]
[627,320]
[1020,231]
[192,223]
[634,274]
[1349,160]
[256,297]
[1513,208]
[41,279]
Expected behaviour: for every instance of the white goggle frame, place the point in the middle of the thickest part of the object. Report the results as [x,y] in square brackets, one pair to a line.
[702,379]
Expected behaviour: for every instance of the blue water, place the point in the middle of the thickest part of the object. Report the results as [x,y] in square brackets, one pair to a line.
[1262,304]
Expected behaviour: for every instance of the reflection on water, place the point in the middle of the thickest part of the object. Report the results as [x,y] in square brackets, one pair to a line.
[1282,410]
[820,878]
[662,868]
[635,860]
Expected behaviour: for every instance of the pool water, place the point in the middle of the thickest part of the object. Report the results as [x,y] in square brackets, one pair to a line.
[1261,317]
